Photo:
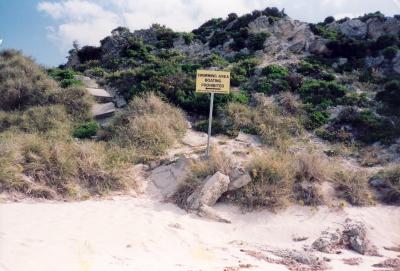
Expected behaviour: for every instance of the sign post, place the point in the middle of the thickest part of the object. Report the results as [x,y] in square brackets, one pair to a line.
[212,82]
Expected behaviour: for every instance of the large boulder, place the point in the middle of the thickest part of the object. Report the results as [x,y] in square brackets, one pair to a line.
[354,29]
[210,192]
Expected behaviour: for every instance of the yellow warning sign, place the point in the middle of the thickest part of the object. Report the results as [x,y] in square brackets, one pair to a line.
[213,82]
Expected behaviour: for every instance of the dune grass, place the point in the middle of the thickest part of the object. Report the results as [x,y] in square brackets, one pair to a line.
[150,125]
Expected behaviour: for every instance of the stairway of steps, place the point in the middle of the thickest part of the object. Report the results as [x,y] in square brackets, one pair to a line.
[107,103]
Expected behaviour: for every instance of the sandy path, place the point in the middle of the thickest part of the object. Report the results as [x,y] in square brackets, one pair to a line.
[141,234]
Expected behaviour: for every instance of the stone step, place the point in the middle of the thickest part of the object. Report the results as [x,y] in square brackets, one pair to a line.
[87,81]
[101,111]
[100,95]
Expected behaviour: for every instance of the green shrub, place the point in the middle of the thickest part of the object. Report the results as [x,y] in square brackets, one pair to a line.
[256,41]
[218,38]
[61,74]
[86,130]
[275,71]
[323,31]
[88,53]
[390,52]
[321,92]
[316,118]
[188,38]
[308,69]
[97,71]
[391,95]
[70,82]
[329,20]
[165,36]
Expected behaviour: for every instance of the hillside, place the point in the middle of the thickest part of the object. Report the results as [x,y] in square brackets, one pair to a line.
[310,129]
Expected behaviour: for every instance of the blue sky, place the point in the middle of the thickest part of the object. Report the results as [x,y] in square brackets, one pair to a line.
[45,29]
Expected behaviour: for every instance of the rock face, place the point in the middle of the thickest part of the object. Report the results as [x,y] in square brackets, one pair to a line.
[210,192]
[354,29]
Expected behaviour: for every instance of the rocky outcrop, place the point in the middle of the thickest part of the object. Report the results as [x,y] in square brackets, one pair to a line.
[292,35]
[378,27]
[354,29]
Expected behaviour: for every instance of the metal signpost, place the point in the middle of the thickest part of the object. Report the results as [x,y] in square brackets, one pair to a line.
[212,82]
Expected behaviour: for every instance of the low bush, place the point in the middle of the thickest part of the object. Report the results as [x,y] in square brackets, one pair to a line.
[86,130]
[150,125]
[353,187]
[275,71]
[321,92]
[390,96]
[256,41]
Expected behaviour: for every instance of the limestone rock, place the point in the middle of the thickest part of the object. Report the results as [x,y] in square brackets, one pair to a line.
[329,240]
[354,29]
[167,178]
[354,236]
[210,192]
[239,182]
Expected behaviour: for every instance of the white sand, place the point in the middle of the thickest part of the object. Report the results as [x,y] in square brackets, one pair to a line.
[142,234]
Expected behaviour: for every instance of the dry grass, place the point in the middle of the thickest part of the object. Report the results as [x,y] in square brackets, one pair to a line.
[267,120]
[392,176]
[310,170]
[353,187]
[271,185]
[22,82]
[289,102]
[199,171]
[151,126]
[52,168]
